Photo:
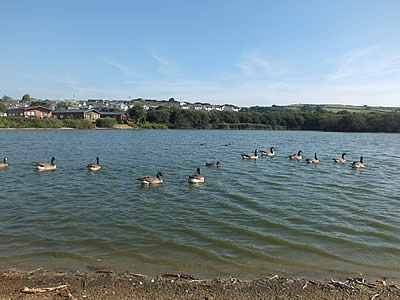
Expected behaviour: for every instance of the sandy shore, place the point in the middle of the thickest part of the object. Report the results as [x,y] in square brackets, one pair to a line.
[105,284]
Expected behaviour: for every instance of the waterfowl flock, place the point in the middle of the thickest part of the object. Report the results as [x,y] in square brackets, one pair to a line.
[198,177]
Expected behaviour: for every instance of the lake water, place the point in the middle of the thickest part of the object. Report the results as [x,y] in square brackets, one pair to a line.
[250,218]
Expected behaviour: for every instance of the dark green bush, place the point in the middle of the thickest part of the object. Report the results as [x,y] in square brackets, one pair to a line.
[106,122]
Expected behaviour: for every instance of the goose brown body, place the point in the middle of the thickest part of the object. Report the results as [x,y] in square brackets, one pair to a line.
[269,153]
[196,178]
[358,164]
[96,166]
[4,164]
[151,179]
[296,156]
[340,160]
[212,164]
[250,156]
[313,160]
[45,166]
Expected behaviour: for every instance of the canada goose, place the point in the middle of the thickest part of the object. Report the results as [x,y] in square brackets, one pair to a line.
[152,179]
[358,164]
[203,144]
[340,160]
[196,178]
[96,166]
[313,160]
[45,166]
[4,163]
[296,156]
[250,156]
[212,164]
[269,153]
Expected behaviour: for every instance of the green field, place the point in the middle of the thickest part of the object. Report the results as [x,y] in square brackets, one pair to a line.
[350,108]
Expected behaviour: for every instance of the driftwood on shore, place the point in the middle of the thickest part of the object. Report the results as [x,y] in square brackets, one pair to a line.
[28,290]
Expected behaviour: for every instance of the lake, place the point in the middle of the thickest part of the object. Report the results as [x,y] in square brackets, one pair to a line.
[249,218]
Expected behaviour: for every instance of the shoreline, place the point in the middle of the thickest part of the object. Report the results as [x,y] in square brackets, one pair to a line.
[106,284]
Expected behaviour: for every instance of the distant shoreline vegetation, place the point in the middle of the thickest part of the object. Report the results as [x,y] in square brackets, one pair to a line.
[255,118]
[49,123]
[269,118]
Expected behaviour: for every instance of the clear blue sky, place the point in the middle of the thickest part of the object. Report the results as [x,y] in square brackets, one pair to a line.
[244,53]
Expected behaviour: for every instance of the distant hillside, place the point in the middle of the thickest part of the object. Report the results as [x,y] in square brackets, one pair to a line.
[349,108]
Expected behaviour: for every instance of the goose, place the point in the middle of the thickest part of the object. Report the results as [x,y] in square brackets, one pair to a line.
[96,166]
[269,153]
[296,156]
[4,163]
[340,160]
[152,179]
[212,164]
[358,164]
[313,160]
[227,145]
[250,156]
[45,166]
[196,178]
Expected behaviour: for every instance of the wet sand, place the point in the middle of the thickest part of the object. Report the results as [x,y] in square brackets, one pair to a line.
[105,284]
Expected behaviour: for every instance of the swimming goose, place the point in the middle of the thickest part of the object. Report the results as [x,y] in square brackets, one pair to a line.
[340,160]
[4,163]
[358,164]
[45,166]
[250,156]
[152,179]
[196,178]
[296,156]
[96,166]
[313,160]
[212,164]
[269,153]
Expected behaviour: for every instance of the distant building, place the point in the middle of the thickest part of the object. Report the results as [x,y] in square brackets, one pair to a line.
[121,117]
[77,114]
[38,112]
[230,108]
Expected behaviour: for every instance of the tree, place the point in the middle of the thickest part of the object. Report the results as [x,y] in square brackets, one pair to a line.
[6,98]
[44,103]
[159,115]
[106,122]
[137,113]
[26,98]
[2,107]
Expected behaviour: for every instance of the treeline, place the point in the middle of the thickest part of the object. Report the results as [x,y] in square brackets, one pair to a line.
[286,119]
[177,118]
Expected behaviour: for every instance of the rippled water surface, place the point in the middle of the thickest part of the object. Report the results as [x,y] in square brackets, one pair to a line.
[250,218]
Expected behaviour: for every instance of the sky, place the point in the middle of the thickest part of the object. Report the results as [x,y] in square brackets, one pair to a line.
[245,53]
